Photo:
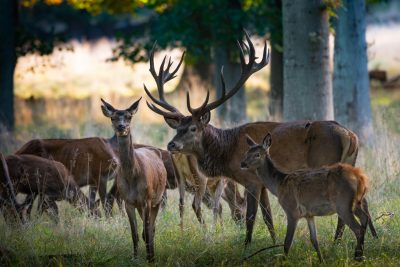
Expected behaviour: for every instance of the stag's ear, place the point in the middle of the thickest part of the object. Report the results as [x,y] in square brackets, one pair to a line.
[267,141]
[205,118]
[172,122]
[250,141]
[134,107]
[107,109]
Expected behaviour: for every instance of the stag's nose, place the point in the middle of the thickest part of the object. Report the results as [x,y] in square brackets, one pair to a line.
[171,146]
[243,165]
[120,127]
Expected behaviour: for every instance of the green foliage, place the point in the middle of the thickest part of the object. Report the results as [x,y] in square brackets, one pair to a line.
[201,25]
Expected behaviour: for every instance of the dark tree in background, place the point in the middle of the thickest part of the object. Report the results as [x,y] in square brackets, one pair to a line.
[350,79]
[307,74]
[8,59]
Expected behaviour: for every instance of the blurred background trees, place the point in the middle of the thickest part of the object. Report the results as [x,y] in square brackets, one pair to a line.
[300,80]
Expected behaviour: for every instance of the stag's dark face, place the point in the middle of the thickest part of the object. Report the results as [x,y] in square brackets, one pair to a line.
[256,154]
[120,119]
[189,133]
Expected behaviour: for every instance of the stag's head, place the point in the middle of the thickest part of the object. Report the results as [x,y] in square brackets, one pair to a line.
[120,119]
[256,154]
[190,129]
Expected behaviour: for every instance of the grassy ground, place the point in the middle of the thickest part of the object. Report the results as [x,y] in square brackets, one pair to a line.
[81,241]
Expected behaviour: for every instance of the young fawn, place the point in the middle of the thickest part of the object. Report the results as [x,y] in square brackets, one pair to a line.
[339,188]
[141,178]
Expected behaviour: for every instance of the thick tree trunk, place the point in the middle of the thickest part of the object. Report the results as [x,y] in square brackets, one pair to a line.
[307,75]
[234,110]
[8,20]
[350,79]
[276,85]
[197,78]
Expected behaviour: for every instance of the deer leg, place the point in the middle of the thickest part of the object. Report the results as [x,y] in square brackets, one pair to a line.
[111,197]
[148,233]
[103,196]
[267,214]
[130,210]
[217,209]
[253,196]
[27,206]
[364,207]
[92,198]
[348,217]
[291,228]
[198,196]
[313,236]
[153,216]
[164,199]
[339,229]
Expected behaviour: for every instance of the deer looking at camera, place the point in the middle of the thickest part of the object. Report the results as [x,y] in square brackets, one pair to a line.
[339,188]
[141,178]
[220,151]
[34,175]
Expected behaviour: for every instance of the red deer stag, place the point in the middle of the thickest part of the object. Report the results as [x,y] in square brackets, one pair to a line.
[219,151]
[34,175]
[338,188]
[141,178]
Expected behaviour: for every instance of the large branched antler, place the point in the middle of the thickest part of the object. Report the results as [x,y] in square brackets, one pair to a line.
[164,75]
[247,70]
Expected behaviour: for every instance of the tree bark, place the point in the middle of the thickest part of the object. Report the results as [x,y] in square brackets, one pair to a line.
[8,21]
[233,110]
[276,84]
[307,75]
[350,79]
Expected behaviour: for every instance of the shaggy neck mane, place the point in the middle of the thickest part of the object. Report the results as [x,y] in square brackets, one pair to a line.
[218,146]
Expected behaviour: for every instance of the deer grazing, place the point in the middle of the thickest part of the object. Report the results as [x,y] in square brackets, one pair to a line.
[338,188]
[219,151]
[141,178]
[34,175]
[91,162]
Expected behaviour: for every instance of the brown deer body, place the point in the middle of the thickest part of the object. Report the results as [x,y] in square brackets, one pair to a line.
[220,151]
[339,188]
[141,178]
[90,160]
[50,179]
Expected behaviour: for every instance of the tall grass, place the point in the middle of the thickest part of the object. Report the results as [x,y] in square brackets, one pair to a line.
[78,240]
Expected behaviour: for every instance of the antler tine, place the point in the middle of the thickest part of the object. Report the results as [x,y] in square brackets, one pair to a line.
[171,115]
[195,111]
[248,68]
[161,78]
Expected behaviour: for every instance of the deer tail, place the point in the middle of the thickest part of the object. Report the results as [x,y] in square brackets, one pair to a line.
[350,147]
[362,186]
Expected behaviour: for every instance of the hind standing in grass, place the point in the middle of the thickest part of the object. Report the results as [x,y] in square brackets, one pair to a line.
[141,178]
[339,188]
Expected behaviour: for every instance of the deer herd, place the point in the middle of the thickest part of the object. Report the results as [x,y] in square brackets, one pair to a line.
[307,165]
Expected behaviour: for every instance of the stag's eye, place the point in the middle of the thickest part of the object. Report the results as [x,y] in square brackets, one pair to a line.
[193,129]
[128,117]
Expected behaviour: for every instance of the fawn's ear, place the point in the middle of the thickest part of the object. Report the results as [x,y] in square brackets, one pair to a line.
[267,141]
[134,107]
[250,141]
[172,122]
[107,109]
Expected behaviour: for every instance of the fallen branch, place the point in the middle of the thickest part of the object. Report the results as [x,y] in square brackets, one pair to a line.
[258,251]
[385,214]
